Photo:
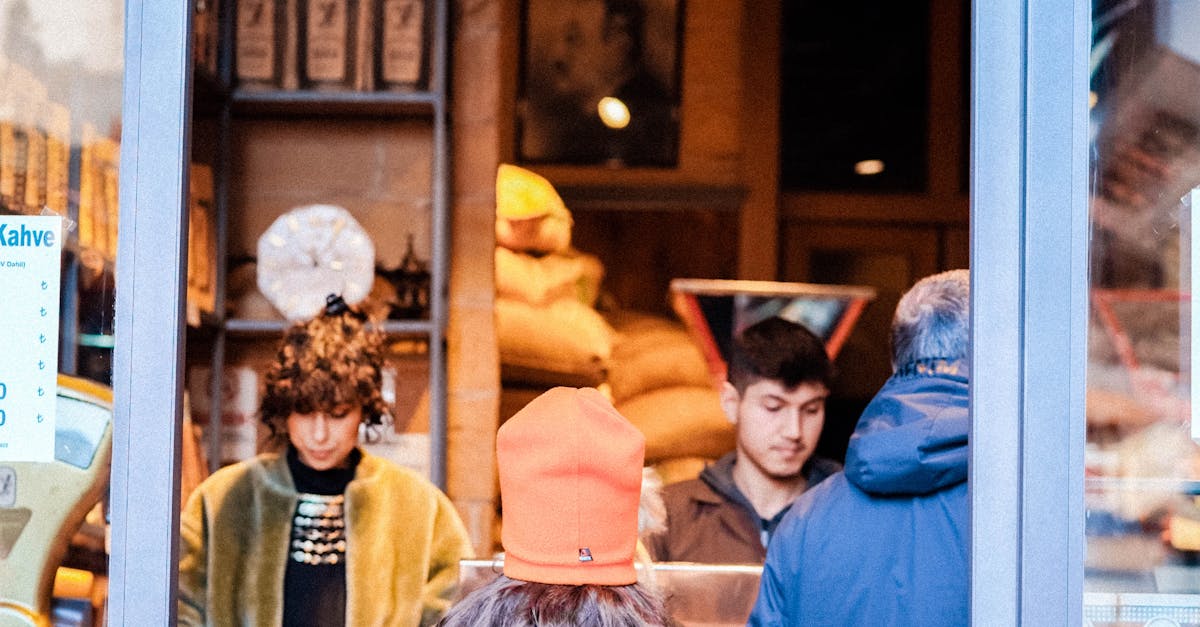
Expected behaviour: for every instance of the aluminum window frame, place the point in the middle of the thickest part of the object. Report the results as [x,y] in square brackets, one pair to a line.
[149,321]
[1029,245]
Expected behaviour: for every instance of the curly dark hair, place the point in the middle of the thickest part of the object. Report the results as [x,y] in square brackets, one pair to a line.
[331,361]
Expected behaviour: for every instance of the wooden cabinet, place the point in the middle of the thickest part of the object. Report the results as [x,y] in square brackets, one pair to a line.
[890,259]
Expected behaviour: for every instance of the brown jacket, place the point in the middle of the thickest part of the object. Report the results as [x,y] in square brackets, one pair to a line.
[709,521]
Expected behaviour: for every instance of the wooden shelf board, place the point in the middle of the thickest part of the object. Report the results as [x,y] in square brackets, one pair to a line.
[347,103]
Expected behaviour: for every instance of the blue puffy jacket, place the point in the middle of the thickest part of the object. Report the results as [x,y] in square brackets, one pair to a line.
[884,542]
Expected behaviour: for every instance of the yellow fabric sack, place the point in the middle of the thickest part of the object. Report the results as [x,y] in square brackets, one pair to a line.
[543,234]
[530,215]
[522,194]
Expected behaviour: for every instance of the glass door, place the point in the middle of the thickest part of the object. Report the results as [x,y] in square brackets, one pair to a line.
[1142,462]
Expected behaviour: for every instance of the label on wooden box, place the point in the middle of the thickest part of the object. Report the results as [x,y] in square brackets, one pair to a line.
[256,40]
[87,186]
[35,172]
[326,27]
[239,409]
[403,41]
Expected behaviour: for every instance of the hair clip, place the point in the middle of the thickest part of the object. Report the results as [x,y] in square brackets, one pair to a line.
[335,305]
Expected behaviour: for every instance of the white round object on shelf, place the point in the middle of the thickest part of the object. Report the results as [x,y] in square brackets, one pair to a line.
[311,252]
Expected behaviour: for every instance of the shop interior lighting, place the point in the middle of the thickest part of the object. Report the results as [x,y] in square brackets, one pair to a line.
[868,167]
[613,112]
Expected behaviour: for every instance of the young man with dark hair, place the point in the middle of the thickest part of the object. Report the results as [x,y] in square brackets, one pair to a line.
[775,393]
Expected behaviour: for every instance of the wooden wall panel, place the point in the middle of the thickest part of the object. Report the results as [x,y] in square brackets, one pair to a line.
[956,248]
[643,250]
[888,258]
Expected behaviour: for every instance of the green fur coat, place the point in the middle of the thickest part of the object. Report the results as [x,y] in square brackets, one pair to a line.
[404,541]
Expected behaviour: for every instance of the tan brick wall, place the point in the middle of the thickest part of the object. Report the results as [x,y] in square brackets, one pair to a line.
[474,368]
[378,170]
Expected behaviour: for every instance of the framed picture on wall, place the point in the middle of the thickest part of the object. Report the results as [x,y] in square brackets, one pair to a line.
[599,82]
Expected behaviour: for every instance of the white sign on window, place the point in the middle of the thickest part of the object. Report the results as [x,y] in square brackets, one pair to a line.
[30,271]
[1194,330]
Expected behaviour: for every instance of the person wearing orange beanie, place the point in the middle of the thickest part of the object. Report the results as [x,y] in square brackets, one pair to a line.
[570,482]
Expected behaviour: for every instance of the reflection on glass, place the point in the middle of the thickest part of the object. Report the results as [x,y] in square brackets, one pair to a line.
[61,65]
[52,524]
[79,429]
[718,310]
[1142,485]
[60,124]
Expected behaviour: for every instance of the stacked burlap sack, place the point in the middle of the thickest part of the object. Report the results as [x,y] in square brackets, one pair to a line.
[548,330]
[660,382]
[550,333]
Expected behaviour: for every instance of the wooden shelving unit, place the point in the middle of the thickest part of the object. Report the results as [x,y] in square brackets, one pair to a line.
[230,109]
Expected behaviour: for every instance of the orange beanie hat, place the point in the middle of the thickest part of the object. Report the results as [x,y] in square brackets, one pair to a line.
[570,480]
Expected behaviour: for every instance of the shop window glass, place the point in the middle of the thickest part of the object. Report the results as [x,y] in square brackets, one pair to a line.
[61,67]
[1142,482]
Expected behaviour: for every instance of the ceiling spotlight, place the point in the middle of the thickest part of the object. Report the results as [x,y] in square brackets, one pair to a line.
[613,112]
[868,167]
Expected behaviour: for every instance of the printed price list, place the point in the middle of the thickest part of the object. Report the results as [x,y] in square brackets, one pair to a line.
[30,272]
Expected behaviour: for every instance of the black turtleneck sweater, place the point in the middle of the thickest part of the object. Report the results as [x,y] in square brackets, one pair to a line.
[314,584]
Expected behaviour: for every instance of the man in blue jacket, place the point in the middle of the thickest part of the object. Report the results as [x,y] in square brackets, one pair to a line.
[885,542]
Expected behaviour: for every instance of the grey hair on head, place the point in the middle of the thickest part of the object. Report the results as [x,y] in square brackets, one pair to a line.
[506,602]
[933,319]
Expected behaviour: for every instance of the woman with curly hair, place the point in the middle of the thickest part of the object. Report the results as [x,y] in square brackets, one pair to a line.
[322,533]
